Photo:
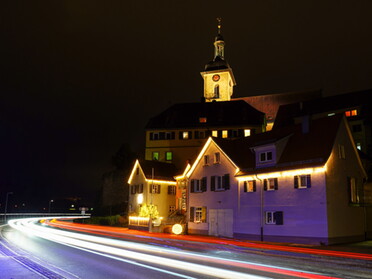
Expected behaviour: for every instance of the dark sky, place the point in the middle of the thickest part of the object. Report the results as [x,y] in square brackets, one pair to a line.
[80,78]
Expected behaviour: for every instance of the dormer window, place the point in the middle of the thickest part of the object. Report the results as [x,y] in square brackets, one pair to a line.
[266,156]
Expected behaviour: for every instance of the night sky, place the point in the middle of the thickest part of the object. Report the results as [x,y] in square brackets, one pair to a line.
[80,78]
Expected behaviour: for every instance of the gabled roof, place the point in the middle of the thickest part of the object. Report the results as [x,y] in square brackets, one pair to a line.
[162,171]
[217,114]
[301,150]
[155,170]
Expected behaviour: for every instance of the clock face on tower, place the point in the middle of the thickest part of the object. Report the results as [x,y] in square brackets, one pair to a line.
[216,77]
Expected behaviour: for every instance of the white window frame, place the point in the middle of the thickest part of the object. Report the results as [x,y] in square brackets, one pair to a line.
[171,189]
[266,155]
[155,188]
[198,215]
[269,218]
[302,181]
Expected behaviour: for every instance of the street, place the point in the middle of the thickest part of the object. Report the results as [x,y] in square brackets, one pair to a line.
[82,255]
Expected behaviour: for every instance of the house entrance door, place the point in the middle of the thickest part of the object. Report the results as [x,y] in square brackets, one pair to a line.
[221,222]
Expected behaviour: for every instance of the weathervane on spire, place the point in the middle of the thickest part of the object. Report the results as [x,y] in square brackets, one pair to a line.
[219,24]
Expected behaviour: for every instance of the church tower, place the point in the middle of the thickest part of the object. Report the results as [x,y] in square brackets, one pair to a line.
[218,76]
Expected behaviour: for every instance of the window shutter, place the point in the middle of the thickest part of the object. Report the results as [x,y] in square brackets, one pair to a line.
[254,185]
[295,181]
[276,183]
[245,184]
[213,183]
[308,181]
[192,186]
[226,181]
[180,135]
[150,188]
[192,210]
[159,186]
[151,136]
[203,184]
[278,217]
[204,215]
[265,185]
[140,189]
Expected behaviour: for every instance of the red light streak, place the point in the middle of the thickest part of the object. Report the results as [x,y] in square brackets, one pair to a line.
[126,233]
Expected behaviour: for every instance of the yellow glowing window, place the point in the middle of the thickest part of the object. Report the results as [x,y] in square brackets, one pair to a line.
[350,113]
[224,134]
[214,134]
[247,132]
[185,135]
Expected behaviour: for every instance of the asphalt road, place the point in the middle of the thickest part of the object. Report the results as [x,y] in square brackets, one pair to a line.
[70,262]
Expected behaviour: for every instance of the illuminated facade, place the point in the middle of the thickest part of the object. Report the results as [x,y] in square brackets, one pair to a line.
[295,184]
[218,76]
[152,184]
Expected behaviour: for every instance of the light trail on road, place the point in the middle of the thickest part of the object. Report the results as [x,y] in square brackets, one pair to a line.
[118,232]
[123,250]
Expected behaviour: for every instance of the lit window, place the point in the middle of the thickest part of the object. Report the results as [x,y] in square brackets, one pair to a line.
[350,113]
[271,184]
[155,156]
[302,181]
[266,156]
[168,156]
[202,120]
[224,134]
[217,158]
[215,134]
[198,214]
[250,186]
[185,135]
[247,132]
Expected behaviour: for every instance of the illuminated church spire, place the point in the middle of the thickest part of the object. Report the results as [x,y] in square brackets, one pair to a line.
[219,44]
[218,76]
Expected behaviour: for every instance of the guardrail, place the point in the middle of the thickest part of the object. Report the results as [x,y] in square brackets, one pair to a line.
[8,216]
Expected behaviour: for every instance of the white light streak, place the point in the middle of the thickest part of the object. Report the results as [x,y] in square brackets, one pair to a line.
[114,248]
